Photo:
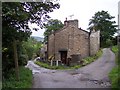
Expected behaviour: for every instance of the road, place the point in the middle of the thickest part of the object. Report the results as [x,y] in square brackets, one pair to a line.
[94,75]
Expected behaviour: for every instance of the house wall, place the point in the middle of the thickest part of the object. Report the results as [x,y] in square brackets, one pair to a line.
[72,39]
[51,45]
[79,42]
[94,42]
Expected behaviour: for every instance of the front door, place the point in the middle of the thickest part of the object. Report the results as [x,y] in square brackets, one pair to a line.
[63,55]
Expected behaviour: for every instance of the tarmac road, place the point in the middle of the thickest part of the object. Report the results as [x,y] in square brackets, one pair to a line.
[94,75]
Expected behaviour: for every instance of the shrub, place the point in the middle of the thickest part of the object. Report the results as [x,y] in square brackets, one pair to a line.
[24,82]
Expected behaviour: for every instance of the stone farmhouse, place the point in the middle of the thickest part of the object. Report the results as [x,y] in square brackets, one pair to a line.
[72,42]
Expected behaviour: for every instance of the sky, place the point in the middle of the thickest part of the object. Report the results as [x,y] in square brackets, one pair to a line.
[83,10]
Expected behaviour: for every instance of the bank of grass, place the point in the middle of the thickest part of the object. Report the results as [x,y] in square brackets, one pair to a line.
[90,59]
[85,61]
[0,85]
[24,82]
[114,75]
[60,67]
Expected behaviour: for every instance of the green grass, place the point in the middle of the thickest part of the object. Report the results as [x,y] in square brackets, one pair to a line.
[60,67]
[86,61]
[24,82]
[0,85]
[115,49]
[90,59]
[114,75]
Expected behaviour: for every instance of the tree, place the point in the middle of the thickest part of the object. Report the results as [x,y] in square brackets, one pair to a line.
[103,21]
[15,18]
[32,47]
[51,26]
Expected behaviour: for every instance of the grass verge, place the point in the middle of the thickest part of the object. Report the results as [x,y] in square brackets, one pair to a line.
[114,75]
[86,61]
[60,67]
[90,59]
[24,82]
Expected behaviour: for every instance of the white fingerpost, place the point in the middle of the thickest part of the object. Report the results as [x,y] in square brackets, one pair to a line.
[51,62]
[56,62]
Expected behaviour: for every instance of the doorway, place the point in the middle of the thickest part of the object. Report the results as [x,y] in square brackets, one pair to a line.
[63,56]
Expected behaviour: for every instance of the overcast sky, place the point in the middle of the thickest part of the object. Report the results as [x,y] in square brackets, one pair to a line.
[83,10]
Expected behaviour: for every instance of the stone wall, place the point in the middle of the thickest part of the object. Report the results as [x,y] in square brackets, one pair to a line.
[71,39]
[94,42]
[51,45]
[73,23]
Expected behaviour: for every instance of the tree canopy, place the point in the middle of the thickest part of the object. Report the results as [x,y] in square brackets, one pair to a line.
[51,26]
[103,21]
[15,18]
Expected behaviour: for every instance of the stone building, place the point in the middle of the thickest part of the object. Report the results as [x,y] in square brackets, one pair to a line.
[71,41]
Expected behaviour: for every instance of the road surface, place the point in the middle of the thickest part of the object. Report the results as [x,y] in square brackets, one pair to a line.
[94,75]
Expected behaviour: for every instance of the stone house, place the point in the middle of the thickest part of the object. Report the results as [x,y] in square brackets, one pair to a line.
[72,42]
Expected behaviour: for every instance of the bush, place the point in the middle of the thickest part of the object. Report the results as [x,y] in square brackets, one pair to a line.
[32,47]
[24,82]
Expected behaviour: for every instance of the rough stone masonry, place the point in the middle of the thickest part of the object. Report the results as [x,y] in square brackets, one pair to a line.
[72,42]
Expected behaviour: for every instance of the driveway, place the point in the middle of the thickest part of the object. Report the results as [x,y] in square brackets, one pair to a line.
[94,75]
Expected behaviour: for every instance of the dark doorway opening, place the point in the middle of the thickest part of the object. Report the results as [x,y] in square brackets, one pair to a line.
[63,56]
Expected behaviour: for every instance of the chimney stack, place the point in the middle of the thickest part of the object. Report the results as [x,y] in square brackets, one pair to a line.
[71,22]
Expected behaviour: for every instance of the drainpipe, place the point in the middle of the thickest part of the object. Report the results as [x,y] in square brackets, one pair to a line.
[89,43]
[47,47]
[54,45]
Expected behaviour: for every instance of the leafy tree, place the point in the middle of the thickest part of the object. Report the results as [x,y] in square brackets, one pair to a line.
[103,21]
[31,47]
[15,18]
[51,26]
